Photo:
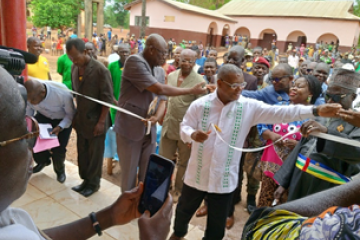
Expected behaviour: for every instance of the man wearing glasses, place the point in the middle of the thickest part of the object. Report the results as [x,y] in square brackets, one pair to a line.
[143,80]
[335,162]
[17,139]
[170,142]
[213,166]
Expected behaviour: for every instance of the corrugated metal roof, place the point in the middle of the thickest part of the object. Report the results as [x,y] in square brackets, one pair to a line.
[189,7]
[276,8]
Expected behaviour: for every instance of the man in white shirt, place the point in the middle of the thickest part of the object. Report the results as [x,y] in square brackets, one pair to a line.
[50,103]
[293,61]
[213,166]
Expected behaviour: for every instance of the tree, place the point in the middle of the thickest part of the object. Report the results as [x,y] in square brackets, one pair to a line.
[208,4]
[56,14]
[115,14]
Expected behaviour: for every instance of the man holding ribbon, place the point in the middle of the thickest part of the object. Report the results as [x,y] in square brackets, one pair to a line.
[317,164]
[142,82]
[213,166]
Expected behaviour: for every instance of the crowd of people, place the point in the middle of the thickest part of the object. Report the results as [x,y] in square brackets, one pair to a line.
[255,98]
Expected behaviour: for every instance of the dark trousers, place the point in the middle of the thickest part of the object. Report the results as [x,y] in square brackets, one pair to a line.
[90,159]
[218,208]
[252,185]
[57,154]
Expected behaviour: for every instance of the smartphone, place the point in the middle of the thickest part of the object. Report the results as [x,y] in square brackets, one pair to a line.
[51,134]
[157,183]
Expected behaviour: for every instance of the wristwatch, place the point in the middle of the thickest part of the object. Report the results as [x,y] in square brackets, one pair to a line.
[315,111]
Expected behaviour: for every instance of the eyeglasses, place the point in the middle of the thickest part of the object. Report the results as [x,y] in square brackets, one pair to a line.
[309,70]
[235,85]
[163,53]
[278,79]
[335,97]
[31,136]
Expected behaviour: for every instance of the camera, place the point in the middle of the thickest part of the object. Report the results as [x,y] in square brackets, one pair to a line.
[14,61]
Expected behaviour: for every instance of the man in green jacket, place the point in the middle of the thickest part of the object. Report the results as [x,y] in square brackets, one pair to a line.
[115,69]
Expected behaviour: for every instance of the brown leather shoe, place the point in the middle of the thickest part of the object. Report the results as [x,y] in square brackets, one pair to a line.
[173,237]
[230,222]
[202,211]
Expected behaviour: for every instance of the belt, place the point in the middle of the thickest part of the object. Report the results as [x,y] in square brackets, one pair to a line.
[320,170]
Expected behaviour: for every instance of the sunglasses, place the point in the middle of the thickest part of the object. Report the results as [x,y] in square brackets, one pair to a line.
[235,85]
[335,97]
[309,70]
[30,137]
[278,79]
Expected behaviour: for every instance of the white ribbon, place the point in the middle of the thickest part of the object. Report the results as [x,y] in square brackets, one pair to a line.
[319,135]
[119,109]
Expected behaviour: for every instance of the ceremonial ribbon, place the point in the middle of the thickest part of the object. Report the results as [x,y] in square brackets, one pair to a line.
[119,109]
[319,135]
[320,170]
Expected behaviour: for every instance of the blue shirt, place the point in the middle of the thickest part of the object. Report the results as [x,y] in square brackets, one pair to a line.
[321,99]
[73,36]
[200,61]
[267,95]
[57,104]
[109,34]
[263,127]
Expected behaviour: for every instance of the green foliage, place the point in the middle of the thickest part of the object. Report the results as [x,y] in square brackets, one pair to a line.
[115,15]
[56,14]
[209,4]
[357,8]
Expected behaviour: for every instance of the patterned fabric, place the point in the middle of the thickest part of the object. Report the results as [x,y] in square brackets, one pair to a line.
[274,156]
[334,223]
[268,187]
[266,223]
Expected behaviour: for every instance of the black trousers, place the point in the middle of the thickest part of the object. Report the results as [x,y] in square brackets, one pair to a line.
[57,154]
[218,208]
[91,158]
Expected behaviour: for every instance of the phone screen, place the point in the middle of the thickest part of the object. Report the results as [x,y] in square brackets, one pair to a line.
[156,184]
[51,134]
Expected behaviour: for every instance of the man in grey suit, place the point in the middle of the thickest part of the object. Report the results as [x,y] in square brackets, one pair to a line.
[142,81]
[89,77]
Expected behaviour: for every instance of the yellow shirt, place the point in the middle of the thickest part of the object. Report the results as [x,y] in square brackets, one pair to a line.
[40,69]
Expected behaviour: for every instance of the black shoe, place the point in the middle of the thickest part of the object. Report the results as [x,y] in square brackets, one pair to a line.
[251,208]
[40,166]
[251,203]
[88,191]
[80,187]
[61,177]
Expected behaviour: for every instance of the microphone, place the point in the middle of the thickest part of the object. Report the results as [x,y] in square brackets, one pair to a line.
[28,57]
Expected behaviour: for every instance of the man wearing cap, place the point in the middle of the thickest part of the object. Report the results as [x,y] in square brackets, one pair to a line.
[260,69]
[333,162]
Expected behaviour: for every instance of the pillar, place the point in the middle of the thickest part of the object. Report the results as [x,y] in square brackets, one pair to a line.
[100,17]
[13,24]
[88,18]
[79,26]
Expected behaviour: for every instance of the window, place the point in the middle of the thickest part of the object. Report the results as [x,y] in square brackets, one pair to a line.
[169,18]
[138,21]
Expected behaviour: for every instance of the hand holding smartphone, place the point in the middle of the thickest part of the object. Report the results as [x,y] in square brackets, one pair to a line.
[156,185]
